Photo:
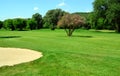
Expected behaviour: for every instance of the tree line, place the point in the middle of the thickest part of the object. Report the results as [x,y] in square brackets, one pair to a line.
[36,22]
[22,24]
[50,20]
[106,15]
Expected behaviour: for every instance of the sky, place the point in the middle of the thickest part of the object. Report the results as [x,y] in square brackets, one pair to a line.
[26,8]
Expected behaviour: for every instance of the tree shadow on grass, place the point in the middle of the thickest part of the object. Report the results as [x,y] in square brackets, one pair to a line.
[82,36]
[102,31]
[7,37]
[77,36]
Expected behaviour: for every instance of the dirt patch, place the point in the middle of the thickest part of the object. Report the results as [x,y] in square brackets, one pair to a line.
[13,56]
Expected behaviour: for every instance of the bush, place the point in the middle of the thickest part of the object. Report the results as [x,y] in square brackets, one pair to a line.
[19,24]
[31,24]
[1,24]
[8,24]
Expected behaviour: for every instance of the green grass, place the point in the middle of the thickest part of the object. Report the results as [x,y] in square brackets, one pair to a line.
[86,53]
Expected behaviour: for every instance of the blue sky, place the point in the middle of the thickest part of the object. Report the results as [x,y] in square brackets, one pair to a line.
[26,8]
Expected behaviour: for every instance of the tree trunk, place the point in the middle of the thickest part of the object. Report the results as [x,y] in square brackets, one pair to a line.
[67,32]
[70,32]
[117,28]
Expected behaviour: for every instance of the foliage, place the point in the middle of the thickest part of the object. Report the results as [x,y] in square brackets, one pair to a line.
[47,24]
[100,24]
[113,13]
[70,22]
[108,10]
[83,14]
[98,15]
[86,16]
[52,17]
[1,24]
[19,24]
[38,18]
[31,24]
[22,24]
[8,24]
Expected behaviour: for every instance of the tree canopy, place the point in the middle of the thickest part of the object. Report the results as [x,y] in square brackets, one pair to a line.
[8,24]
[70,22]
[19,24]
[38,18]
[52,17]
[1,24]
[31,24]
[109,12]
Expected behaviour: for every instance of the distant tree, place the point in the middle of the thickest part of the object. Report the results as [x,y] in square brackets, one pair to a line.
[113,13]
[86,17]
[70,22]
[31,24]
[46,24]
[1,24]
[19,24]
[93,20]
[8,24]
[109,12]
[38,18]
[52,17]
[99,14]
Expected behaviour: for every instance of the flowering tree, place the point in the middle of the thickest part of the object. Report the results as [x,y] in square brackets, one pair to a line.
[70,22]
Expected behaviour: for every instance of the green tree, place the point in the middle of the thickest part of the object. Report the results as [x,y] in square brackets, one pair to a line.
[1,24]
[52,17]
[70,22]
[86,16]
[113,13]
[99,14]
[38,18]
[8,24]
[31,24]
[109,11]
[19,24]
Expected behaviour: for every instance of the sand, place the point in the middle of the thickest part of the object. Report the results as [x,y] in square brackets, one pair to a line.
[13,56]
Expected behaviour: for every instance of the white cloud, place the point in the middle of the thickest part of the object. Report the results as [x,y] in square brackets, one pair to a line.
[61,4]
[18,17]
[64,6]
[88,10]
[35,8]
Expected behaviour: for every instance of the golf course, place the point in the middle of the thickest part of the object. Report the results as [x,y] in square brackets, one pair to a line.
[85,53]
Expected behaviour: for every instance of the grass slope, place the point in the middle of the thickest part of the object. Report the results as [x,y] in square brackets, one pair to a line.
[87,53]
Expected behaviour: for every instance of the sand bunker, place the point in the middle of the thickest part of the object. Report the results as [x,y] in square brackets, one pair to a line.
[12,56]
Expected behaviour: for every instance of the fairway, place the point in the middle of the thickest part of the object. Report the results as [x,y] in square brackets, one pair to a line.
[86,53]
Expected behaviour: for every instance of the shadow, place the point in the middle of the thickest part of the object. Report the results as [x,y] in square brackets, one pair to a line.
[100,31]
[82,36]
[5,37]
